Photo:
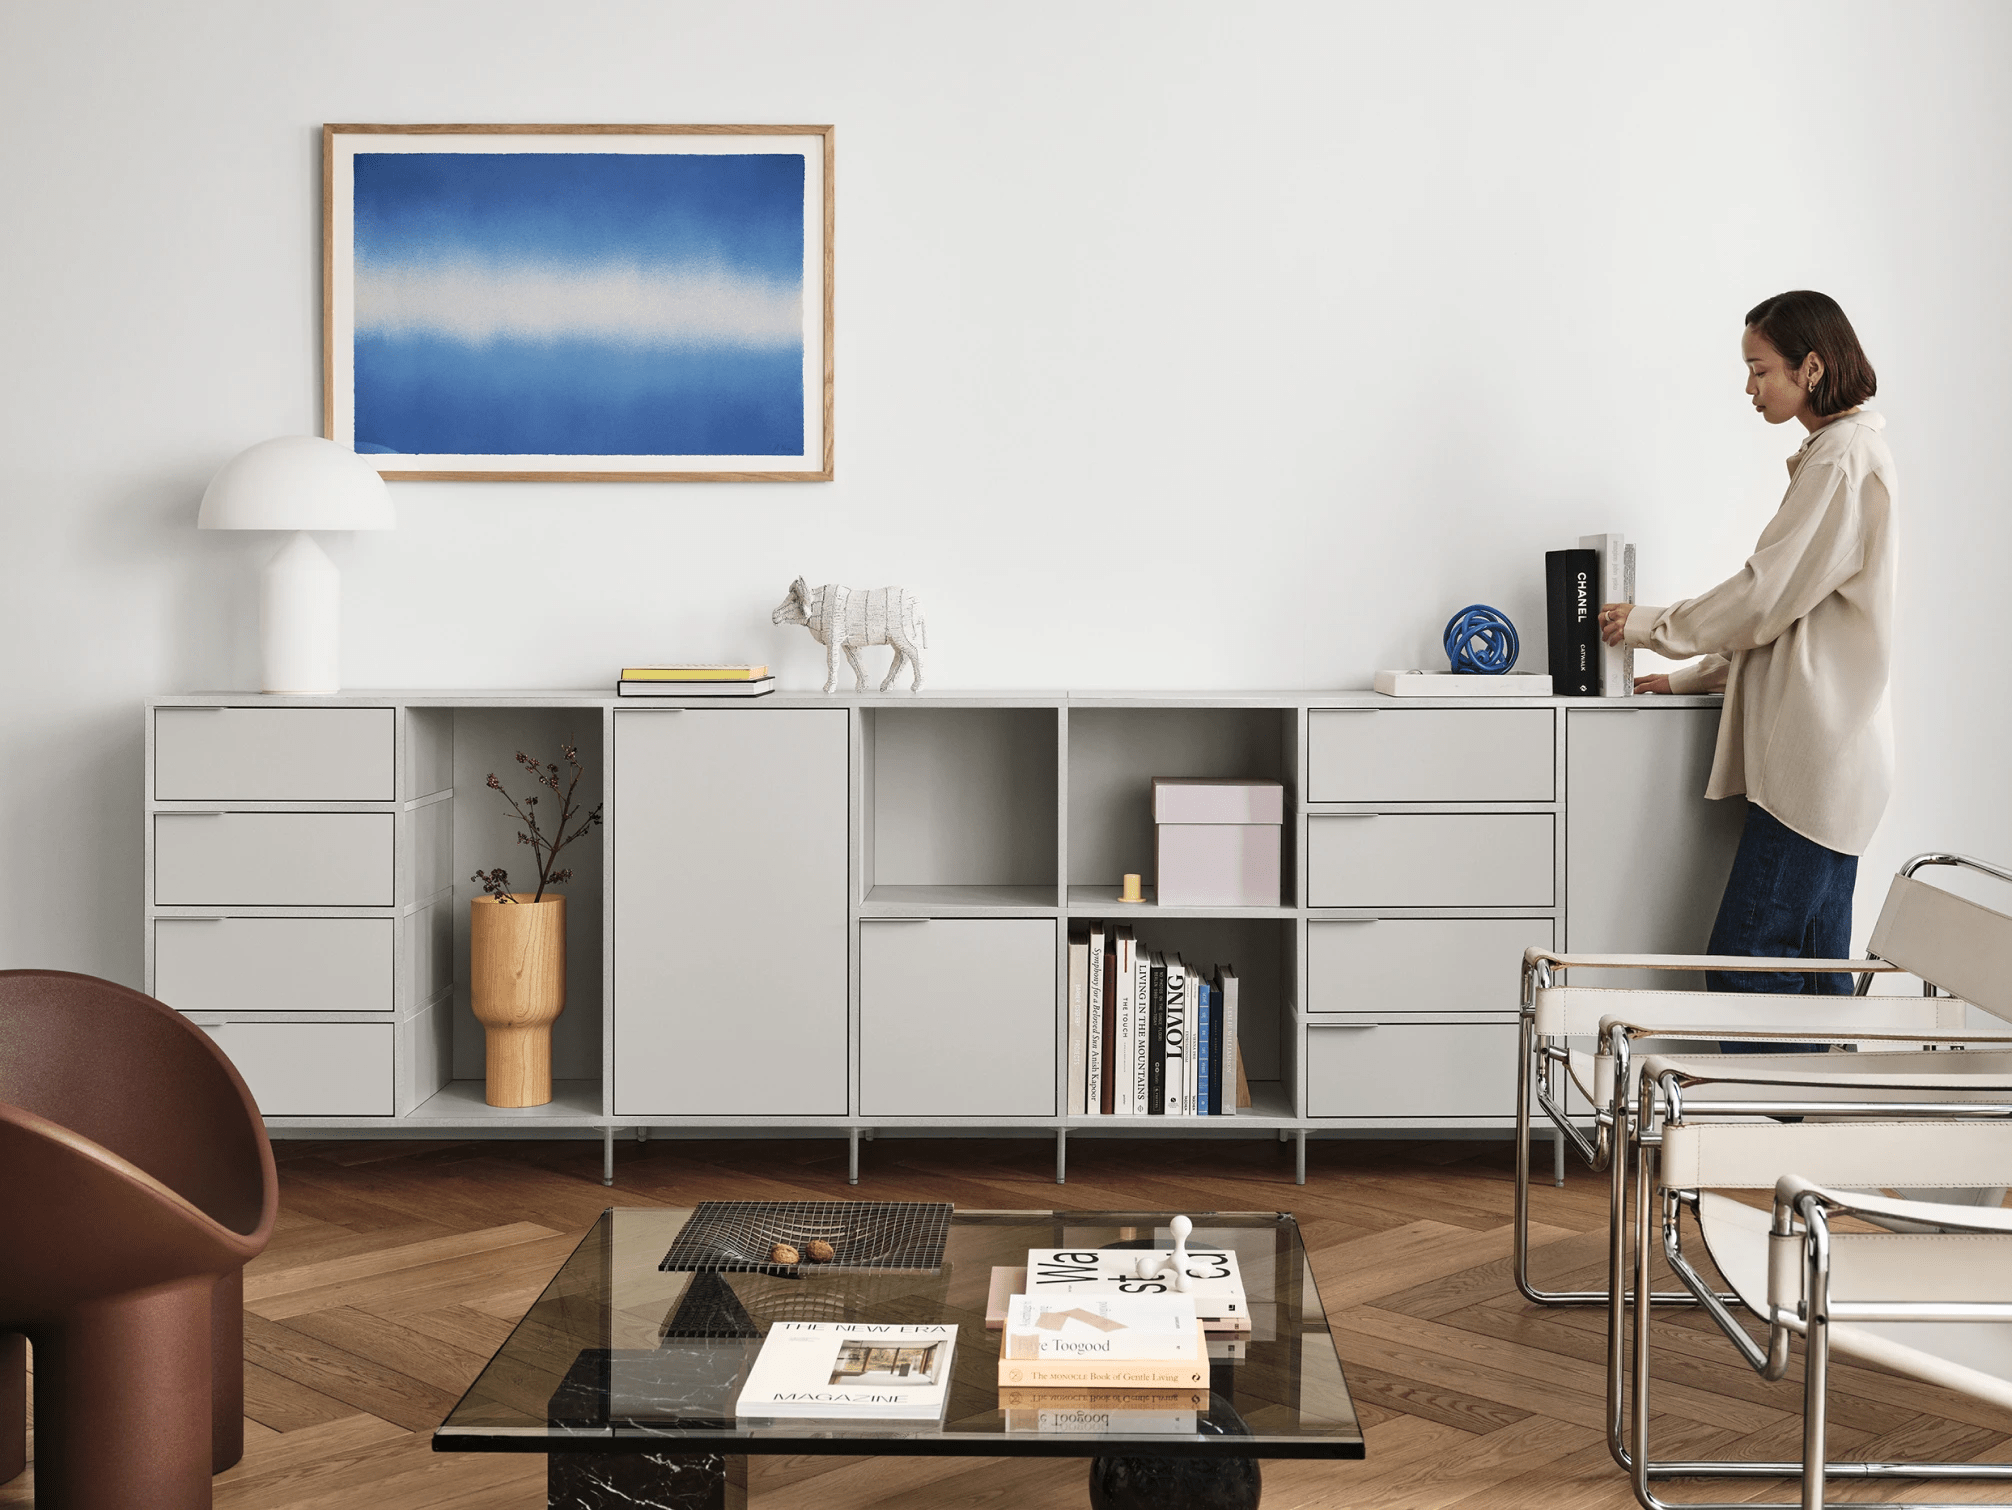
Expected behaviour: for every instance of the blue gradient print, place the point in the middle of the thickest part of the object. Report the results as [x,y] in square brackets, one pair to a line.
[579,304]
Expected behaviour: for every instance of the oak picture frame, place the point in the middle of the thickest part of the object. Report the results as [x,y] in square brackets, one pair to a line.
[814,143]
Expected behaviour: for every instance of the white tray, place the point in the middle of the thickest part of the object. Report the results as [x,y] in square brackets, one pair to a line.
[1448,684]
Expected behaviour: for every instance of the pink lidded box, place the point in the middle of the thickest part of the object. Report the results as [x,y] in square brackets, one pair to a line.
[1217,841]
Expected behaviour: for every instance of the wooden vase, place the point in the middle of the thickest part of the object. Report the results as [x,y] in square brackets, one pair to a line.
[517,986]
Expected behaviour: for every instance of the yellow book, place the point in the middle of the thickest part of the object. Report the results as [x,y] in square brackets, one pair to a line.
[693,673]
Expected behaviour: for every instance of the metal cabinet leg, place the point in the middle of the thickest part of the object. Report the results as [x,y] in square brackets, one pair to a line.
[852,1156]
[1299,1158]
[607,1156]
[1061,1156]
[1558,1159]
[642,1135]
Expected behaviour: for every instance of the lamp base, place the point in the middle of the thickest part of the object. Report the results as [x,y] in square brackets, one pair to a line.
[300,619]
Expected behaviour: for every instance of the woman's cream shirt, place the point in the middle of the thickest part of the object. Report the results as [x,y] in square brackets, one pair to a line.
[1801,639]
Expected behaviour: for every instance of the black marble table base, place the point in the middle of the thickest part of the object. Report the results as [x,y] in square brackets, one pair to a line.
[1174,1483]
[645,1481]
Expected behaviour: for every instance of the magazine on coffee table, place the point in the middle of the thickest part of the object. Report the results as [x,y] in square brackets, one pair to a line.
[844,1370]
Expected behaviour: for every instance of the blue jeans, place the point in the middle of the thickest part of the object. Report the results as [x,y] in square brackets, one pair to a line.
[1787,897]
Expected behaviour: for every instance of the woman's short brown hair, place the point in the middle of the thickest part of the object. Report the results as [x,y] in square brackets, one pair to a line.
[1801,321]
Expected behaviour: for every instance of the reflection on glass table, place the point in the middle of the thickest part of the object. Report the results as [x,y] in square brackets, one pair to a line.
[628,1374]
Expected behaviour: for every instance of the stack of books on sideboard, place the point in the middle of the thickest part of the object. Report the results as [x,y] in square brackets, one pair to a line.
[689,680]
[1150,1034]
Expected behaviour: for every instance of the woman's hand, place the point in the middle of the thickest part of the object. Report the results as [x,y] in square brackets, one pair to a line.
[1614,623]
[1660,682]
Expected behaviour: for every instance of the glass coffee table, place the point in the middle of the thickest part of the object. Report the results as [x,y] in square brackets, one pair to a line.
[626,1373]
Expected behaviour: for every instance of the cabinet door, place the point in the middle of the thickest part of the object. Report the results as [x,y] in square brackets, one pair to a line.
[729,832]
[1646,856]
[957,1017]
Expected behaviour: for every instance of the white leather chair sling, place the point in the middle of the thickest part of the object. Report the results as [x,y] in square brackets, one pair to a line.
[1932,933]
[1899,1300]
[1921,930]
[1935,1304]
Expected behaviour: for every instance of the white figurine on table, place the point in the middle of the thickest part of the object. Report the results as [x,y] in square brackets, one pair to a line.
[1174,1266]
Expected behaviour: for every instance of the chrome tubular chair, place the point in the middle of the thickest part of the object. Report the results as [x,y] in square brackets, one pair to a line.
[1913,1122]
[1921,929]
[1911,1301]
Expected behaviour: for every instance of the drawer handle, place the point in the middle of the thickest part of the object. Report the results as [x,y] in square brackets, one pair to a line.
[183,812]
[1358,917]
[208,1022]
[183,918]
[1345,1020]
[878,919]
[1353,817]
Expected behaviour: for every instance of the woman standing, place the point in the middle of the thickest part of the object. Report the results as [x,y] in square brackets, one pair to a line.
[1801,640]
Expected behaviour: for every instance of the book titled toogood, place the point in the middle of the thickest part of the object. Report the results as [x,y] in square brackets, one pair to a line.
[1133,1327]
[849,1371]
[1122,1341]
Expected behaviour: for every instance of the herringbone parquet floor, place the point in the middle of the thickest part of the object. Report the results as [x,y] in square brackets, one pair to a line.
[398,1268]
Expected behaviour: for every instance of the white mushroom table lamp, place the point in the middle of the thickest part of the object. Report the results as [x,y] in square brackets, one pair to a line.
[298,483]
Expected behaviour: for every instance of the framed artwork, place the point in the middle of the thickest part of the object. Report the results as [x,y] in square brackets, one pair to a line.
[585,303]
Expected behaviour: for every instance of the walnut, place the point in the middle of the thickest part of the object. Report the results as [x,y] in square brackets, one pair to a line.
[783,1253]
[818,1251]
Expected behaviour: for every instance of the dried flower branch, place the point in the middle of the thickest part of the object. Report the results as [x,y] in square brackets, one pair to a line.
[545,846]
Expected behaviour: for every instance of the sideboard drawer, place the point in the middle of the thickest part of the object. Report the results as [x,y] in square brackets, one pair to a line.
[1412,1071]
[1419,965]
[273,859]
[1431,755]
[273,755]
[1430,860]
[312,1069]
[275,964]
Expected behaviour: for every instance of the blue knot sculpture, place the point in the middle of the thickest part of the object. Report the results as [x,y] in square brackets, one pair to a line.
[1480,641]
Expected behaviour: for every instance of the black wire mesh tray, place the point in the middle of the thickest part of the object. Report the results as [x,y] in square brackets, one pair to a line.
[736,1237]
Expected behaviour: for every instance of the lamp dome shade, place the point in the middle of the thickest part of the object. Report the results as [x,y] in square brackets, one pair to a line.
[296,482]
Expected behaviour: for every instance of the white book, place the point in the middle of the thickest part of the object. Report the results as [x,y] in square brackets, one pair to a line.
[1175,1083]
[1142,992]
[849,1370]
[1122,1103]
[1109,1328]
[1093,1070]
[1079,1018]
[1216,1286]
[1617,585]
[1192,1092]
[1232,1053]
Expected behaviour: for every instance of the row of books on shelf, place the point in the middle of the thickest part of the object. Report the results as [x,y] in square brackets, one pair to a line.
[1150,1035]
[1081,1333]
[694,679]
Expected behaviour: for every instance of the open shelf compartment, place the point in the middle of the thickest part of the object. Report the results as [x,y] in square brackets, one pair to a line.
[1114,756]
[960,809]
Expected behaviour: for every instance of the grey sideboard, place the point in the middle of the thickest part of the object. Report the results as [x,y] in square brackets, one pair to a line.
[848,914]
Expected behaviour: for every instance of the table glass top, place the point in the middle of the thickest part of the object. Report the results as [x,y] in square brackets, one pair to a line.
[617,1355]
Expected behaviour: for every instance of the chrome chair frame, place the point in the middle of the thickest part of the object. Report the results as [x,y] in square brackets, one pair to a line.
[1541,1080]
[1670,1100]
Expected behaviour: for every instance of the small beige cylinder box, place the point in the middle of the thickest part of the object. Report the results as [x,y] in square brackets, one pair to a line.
[1217,841]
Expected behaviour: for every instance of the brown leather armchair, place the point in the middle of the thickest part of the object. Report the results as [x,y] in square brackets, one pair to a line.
[138,1184]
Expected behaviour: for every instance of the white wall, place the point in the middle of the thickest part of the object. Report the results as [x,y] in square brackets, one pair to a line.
[1328,317]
